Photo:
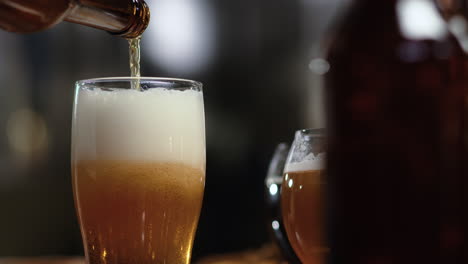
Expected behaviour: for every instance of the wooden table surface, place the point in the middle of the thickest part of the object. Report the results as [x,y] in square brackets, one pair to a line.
[268,254]
[43,260]
[209,260]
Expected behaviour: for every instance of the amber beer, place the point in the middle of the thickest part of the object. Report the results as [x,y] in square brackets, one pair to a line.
[303,205]
[138,173]
[138,212]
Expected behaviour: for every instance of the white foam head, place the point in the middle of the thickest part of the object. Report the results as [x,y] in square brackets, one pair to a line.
[155,125]
[310,162]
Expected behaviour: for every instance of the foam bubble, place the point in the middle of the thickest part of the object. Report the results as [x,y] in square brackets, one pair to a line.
[310,162]
[154,125]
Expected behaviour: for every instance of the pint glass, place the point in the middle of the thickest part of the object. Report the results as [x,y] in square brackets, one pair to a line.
[138,166]
[303,196]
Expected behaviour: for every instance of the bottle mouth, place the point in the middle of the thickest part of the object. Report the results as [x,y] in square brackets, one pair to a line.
[138,21]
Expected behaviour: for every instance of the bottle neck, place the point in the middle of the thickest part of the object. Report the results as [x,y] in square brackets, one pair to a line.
[125,18]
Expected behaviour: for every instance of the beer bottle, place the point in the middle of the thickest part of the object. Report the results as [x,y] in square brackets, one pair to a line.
[126,18]
[397,99]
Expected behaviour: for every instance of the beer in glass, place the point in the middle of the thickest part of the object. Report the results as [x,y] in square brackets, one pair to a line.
[273,182]
[138,165]
[303,200]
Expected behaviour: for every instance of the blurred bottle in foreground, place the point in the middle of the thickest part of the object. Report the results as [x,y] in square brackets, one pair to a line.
[126,18]
[398,136]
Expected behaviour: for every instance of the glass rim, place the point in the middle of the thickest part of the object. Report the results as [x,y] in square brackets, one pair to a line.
[198,86]
[319,132]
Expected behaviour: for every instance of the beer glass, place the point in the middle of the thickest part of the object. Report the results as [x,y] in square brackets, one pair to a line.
[303,196]
[273,182]
[138,166]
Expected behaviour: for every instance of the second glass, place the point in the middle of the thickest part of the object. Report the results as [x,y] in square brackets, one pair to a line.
[273,182]
[138,165]
[303,196]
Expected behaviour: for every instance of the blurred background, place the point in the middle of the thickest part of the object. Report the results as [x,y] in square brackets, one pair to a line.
[261,64]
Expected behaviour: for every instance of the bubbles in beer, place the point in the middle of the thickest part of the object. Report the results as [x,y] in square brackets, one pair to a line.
[127,207]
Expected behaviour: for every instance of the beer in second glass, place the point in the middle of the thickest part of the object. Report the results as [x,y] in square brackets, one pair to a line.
[138,167]
[303,201]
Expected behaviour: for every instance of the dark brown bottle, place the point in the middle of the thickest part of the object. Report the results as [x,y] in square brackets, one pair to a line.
[398,137]
[126,18]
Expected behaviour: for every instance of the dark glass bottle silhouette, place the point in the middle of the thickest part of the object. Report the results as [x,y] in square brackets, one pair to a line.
[126,18]
[398,137]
